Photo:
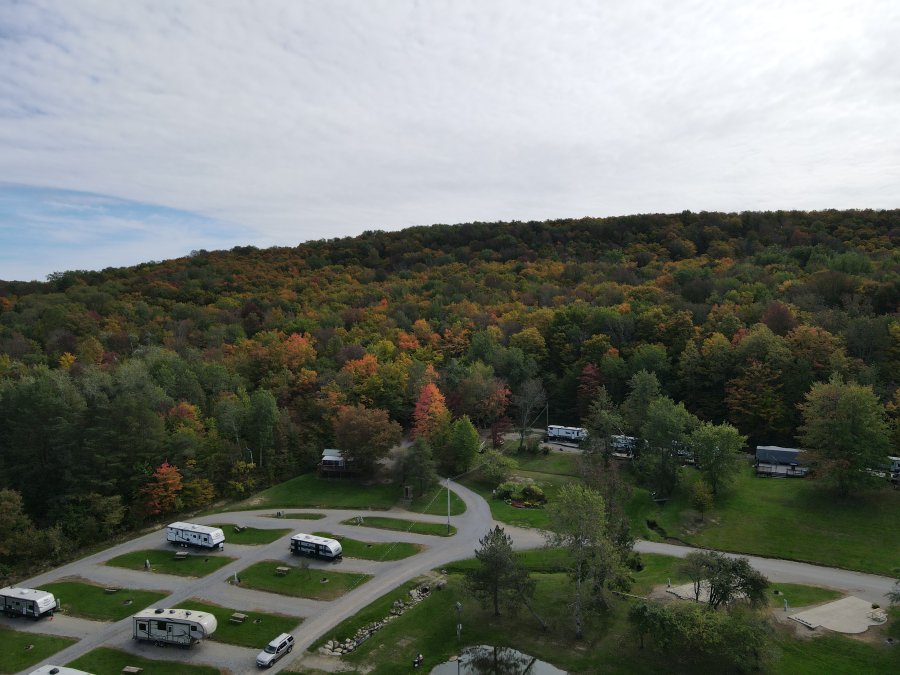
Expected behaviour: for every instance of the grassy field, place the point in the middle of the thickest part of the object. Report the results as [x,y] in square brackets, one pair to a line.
[400,525]
[435,503]
[256,630]
[15,654]
[163,561]
[793,519]
[106,661]
[90,601]
[251,536]
[609,644]
[299,582]
[354,548]
[311,492]
[799,595]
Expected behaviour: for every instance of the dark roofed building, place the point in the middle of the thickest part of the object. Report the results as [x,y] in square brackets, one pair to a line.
[772,460]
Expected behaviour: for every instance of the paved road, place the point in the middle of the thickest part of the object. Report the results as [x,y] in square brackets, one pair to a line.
[320,617]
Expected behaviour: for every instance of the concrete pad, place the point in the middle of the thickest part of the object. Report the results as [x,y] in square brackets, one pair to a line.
[686,591]
[847,615]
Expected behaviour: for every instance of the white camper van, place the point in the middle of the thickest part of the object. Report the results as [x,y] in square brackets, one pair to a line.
[188,534]
[27,602]
[316,547]
[183,627]
[58,670]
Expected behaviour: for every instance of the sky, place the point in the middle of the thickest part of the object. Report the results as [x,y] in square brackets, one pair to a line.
[143,130]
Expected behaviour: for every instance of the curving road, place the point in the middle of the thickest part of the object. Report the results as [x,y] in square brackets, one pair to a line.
[320,617]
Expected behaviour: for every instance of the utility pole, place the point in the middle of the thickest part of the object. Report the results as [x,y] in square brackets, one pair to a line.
[448,506]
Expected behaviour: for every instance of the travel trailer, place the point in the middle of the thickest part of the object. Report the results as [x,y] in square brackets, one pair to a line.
[316,547]
[182,627]
[202,536]
[27,602]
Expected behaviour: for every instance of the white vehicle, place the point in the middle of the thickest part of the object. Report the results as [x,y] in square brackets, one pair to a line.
[58,670]
[316,547]
[277,648]
[27,602]
[188,534]
[183,627]
[623,446]
[894,464]
[573,434]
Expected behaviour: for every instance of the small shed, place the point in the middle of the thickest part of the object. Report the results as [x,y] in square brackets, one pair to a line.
[778,462]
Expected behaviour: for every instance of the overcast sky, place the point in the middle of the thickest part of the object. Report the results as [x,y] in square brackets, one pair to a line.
[134,131]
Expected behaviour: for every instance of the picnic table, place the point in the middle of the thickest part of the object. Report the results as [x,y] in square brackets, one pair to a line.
[282,571]
[237,617]
[181,555]
[132,669]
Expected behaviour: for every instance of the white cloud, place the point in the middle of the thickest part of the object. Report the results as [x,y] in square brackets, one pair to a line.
[303,120]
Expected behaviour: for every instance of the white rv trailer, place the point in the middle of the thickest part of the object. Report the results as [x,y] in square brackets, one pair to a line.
[183,627]
[316,547]
[27,602]
[58,670]
[894,464]
[188,534]
[573,434]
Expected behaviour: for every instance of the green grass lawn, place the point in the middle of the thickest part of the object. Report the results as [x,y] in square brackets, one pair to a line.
[256,630]
[783,518]
[799,595]
[550,472]
[197,564]
[299,582]
[400,525]
[609,644]
[16,657]
[106,661]
[558,463]
[435,503]
[251,536]
[354,548]
[90,601]
[310,491]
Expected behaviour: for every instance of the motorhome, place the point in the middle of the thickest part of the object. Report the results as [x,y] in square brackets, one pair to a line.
[27,602]
[316,547]
[188,534]
[183,627]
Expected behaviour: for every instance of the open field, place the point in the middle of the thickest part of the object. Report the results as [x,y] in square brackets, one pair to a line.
[14,652]
[256,630]
[783,518]
[251,536]
[435,503]
[354,548]
[197,564]
[106,661]
[311,492]
[400,525]
[303,583]
[90,601]
[609,645]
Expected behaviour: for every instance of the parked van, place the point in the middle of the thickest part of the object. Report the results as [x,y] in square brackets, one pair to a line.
[277,648]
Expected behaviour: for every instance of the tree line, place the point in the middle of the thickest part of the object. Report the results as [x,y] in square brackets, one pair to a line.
[128,393]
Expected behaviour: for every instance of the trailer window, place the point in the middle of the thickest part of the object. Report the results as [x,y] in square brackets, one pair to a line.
[161,625]
[142,626]
[195,628]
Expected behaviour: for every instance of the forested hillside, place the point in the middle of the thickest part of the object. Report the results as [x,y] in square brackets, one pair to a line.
[222,372]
